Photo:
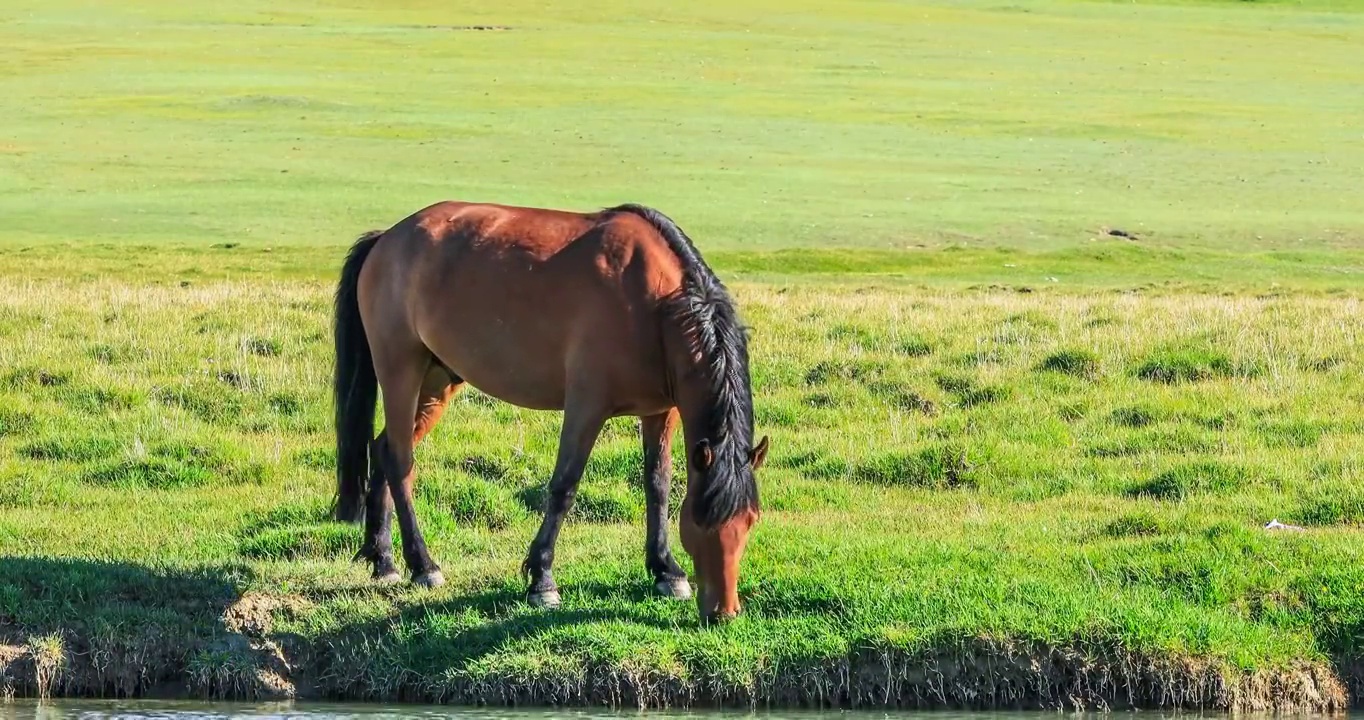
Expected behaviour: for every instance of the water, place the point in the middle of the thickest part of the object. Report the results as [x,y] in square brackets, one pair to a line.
[191,710]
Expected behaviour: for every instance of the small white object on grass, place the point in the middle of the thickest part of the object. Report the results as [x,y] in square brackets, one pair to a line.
[1276,525]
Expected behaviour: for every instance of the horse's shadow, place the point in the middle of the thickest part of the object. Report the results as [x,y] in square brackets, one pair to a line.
[72,627]
[103,628]
[501,615]
[424,650]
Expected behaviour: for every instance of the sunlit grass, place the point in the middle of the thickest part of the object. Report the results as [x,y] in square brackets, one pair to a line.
[937,474]
[1054,306]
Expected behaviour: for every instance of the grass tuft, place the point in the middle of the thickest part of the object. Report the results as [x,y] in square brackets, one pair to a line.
[1198,478]
[1338,507]
[815,464]
[914,347]
[1136,525]
[474,502]
[1137,416]
[153,473]
[1186,365]
[332,541]
[262,347]
[72,448]
[596,504]
[107,354]
[849,371]
[968,392]
[1292,433]
[1076,363]
[214,404]
[28,378]
[15,422]
[939,467]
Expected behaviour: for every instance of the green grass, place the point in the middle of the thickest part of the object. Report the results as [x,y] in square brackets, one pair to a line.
[1213,129]
[1096,510]
[1010,450]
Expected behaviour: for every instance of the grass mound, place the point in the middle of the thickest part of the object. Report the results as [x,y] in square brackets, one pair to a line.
[72,448]
[1077,363]
[1136,416]
[474,502]
[1339,507]
[940,467]
[1203,477]
[1136,525]
[1186,365]
[968,392]
[593,503]
[293,543]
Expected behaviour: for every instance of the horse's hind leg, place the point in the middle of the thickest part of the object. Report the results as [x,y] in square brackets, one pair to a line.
[669,579]
[401,378]
[378,547]
[582,424]
[438,387]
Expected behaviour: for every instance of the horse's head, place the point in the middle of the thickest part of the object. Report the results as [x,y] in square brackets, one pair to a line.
[715,536]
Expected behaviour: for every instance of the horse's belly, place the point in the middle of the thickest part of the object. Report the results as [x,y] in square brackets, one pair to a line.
[524,376]
[517,336]
[505,386]
[531,369]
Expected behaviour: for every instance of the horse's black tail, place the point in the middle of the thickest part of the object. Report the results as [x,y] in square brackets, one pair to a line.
[355,386]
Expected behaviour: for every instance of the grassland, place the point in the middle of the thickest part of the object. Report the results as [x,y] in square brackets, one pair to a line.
[1017,461]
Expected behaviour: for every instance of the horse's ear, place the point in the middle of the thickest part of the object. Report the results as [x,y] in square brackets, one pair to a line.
[702,456]
[759,453]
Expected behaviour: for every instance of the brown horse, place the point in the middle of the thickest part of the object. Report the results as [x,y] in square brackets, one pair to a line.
[596,314]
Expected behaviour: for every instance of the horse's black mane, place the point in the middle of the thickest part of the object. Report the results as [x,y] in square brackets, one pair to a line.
[707,314]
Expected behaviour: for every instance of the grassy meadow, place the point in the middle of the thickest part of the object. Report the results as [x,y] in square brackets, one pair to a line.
[1017,460]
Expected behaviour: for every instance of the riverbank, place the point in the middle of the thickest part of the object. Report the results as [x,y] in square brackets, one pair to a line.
[982,674]
[981,498]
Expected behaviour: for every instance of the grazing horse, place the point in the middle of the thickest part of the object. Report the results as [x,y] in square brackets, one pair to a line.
[596,314]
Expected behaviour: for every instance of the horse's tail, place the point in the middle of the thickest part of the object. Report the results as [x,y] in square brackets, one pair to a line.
[355,386]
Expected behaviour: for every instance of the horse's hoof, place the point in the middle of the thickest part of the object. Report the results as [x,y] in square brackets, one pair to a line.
[389,578]
[433,579]
[677,589]
[545,599]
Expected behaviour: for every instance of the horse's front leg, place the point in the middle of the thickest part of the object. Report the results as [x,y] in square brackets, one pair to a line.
[579,434]
[669,579]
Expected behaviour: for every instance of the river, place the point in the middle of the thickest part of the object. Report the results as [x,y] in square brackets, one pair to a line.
[190,710]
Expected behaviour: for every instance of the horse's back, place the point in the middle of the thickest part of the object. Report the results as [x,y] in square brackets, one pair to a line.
[533,305]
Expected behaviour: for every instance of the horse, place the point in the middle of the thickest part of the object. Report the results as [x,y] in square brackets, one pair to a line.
[598,315]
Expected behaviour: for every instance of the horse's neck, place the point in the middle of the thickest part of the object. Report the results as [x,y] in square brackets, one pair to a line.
[693,389]
[696,406]
[695,399]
